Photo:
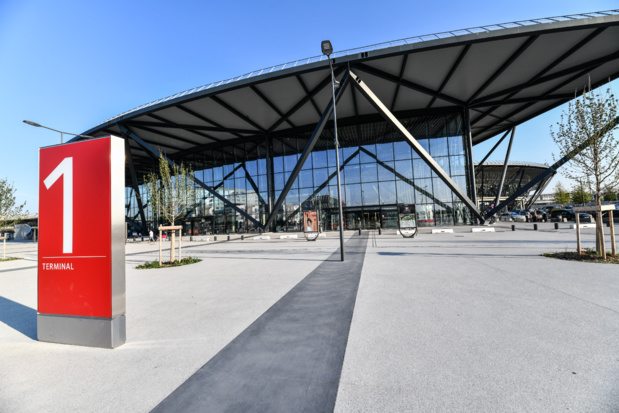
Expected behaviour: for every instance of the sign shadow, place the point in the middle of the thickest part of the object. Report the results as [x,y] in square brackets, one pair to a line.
[19,317]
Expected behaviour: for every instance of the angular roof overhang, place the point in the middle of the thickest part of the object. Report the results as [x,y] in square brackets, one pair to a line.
[504,76]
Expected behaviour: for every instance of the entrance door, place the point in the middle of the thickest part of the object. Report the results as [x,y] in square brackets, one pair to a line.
[370,219]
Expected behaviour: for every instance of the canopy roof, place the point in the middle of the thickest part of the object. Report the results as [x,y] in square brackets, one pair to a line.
[505,74]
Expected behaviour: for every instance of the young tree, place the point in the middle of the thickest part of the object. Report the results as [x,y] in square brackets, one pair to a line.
[580,195]
[561,195]
[591,118]
[9,210]
[171,192]
[610,194]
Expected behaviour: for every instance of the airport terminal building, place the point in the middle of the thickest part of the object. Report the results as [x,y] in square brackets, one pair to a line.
[409,115]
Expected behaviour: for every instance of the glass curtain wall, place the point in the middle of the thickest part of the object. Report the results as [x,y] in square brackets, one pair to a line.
[378,169]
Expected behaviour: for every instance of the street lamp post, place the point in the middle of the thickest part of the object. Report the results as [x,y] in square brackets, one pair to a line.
[327,49]
[28,122]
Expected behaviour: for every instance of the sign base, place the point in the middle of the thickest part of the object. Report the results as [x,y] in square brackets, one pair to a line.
[82,331]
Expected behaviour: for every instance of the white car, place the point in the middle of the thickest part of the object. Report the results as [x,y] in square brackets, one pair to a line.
[518,218]
[505,217]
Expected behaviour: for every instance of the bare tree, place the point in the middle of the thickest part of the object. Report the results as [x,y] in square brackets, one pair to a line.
[591,119]
[171,192]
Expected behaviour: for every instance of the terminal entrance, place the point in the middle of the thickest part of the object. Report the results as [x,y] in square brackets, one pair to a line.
[367,219]
[371,219]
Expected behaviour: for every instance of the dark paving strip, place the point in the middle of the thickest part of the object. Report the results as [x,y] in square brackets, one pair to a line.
[290,359]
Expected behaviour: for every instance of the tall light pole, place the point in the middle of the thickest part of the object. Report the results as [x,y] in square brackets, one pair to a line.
[55,130]
[327,49]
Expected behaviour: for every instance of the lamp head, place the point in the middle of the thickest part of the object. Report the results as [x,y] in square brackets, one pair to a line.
[327,48]
[32,123]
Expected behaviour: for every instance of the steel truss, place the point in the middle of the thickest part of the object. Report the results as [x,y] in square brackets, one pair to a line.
[390,118]
[308,149]
[551,170]
[156,154]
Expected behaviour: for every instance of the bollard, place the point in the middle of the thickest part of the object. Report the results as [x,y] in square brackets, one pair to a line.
[534,227]
[380,231]
[359,231]
[228,237]
[215,238]
[242,237]
[556,225]
[513,228]
[191,238]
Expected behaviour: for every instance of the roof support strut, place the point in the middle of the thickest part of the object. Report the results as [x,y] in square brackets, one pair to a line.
[551,170]
[382,109]
[509,149]
[213,192]
[308,149]
[479,165]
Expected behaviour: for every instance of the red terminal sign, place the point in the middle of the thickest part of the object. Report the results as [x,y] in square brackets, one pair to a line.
[81,241]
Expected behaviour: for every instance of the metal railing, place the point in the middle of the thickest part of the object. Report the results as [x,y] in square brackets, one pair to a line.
[377,46]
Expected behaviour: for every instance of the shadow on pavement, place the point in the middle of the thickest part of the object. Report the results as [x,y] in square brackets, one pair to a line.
[19,317]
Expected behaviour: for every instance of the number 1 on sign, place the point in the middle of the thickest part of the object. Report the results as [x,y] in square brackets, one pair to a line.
[64,168]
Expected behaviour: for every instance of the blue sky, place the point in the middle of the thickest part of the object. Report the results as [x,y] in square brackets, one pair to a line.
[70,65]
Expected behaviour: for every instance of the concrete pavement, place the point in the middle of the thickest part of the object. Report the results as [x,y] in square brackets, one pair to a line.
[447,322]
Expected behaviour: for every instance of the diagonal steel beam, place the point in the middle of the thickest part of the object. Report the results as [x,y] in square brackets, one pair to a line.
[479,165]
[157,154]
[397,87]
[177,126]
[138,214]
[134,184]
[325,183]
[308,149]
[306,90]
[170,125]
[554,63]
[270,104]
[227,176]
[237,113]
[308,97]
[207,120]
[470,163]
[537,193]
[587,66]
[551,170]
[406,180]
[406,83]
[450,74]
[509,150]
[504,67]
[390,118]
[253,185]
[523,107]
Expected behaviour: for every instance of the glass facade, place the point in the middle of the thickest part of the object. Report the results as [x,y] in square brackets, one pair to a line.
[379,170]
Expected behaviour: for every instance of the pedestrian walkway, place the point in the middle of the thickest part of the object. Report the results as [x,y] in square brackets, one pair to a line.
[288,360]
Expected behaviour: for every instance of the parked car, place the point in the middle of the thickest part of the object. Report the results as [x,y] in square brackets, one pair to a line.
[506,217]
[561,214]
[525,213]
[584,217]
[517,217]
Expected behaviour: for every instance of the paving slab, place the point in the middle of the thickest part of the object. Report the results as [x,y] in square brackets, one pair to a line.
[482,322]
